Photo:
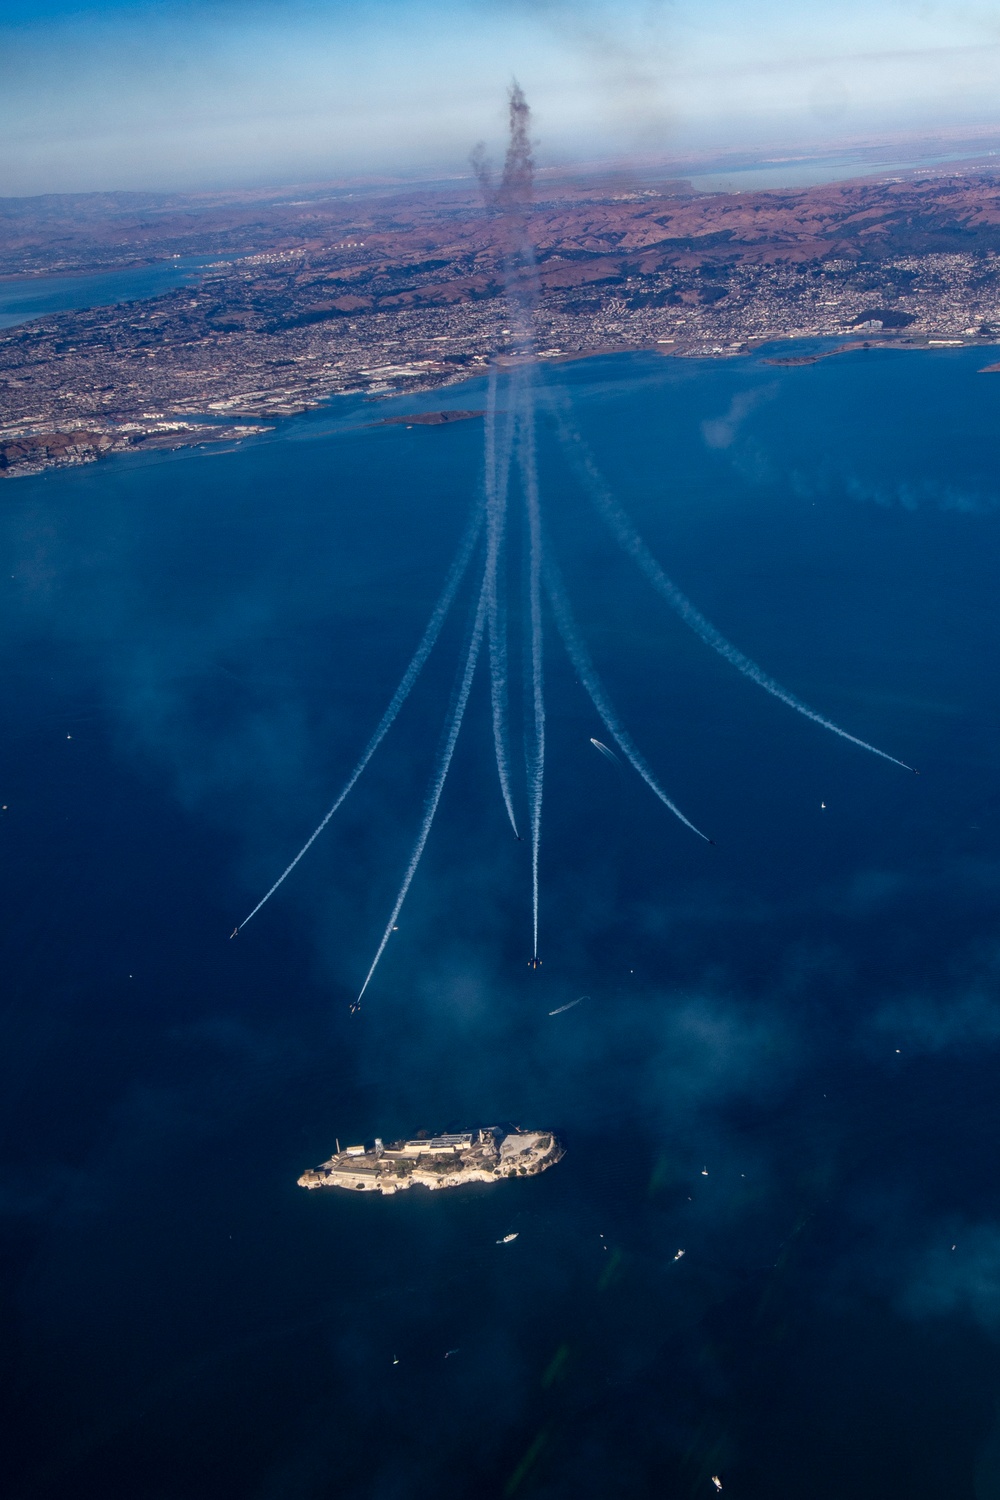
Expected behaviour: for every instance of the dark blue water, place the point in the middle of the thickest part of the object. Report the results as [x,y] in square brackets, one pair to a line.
[25,297]
[787,1063]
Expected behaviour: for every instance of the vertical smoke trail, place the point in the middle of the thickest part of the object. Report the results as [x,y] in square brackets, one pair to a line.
[517,180]
[437,785]
[423,651]
[483,173]
[580,657]
[631,542]
[519,166]
[497,466]
[512,200]
[536,759]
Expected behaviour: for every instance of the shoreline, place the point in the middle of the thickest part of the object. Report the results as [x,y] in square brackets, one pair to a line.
[34,453]
[27,449]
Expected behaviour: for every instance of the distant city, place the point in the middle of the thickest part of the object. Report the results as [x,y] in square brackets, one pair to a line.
[403,291]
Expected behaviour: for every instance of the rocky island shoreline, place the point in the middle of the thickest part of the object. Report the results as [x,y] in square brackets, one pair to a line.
[435,1162]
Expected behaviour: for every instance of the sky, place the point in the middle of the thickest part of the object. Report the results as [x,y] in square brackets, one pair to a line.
[163,94]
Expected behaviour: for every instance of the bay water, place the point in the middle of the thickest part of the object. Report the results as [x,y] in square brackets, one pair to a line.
[785,1064]
[23,298]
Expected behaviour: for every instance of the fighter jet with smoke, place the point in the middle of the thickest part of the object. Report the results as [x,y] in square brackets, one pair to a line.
[510,468]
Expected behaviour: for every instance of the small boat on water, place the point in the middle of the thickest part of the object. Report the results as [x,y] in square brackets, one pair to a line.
[508,1237]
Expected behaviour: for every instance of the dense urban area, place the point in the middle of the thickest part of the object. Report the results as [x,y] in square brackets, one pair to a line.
[395,291]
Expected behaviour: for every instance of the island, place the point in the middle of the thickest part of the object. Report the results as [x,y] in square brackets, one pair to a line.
[439,1161]
[428,418]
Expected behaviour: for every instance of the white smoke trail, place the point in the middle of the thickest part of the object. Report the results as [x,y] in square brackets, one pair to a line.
[423,651]
[536,760]
[632,543]
[497,468]
[580,657]
[437,785]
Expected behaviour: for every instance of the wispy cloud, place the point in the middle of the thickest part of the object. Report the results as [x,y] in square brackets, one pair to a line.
[721,432]
[957,1274]
[930,1023]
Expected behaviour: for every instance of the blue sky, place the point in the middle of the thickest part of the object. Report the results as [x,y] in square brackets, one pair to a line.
[183,93]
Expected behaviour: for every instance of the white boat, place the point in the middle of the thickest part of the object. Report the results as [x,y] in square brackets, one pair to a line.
[507,1238]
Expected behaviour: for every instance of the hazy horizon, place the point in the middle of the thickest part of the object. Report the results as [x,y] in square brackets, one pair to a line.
[119,94]
[764,164]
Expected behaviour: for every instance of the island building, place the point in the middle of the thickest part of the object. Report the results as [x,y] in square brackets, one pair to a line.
[437,1161]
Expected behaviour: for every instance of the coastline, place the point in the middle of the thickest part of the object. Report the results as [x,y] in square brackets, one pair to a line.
[35,452]
[28,449]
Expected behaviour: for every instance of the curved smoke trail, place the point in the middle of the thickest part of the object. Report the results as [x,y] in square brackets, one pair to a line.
[437,785]
[423,651]
[536,760]
[497,466]
[580,657]
[631,542]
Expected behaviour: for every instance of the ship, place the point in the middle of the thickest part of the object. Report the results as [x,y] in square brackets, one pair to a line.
[437,1161]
